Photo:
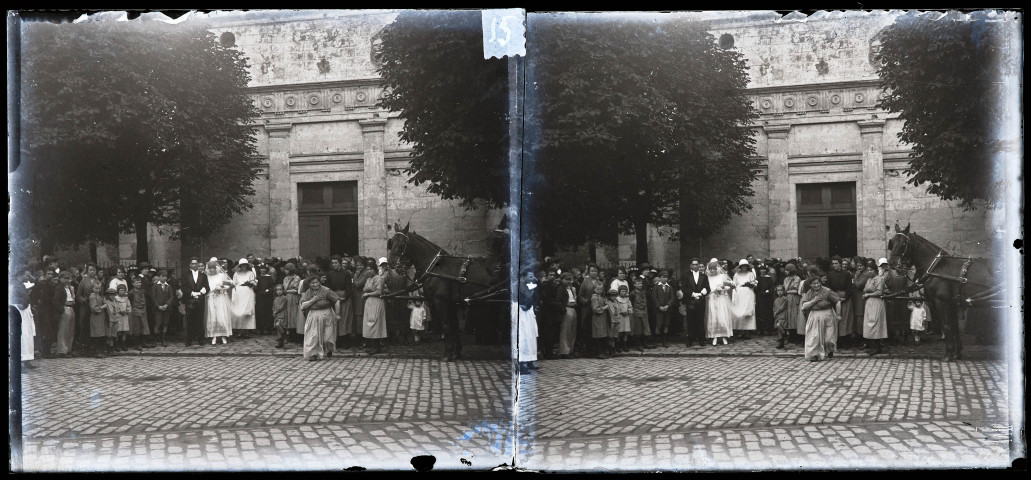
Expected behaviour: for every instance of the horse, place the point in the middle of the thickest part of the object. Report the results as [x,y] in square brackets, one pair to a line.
[449,281]
[951,284]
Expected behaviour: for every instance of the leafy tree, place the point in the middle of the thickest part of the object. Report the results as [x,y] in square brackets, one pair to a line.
[129,123]
[942,76]
[454,103]
[633,122]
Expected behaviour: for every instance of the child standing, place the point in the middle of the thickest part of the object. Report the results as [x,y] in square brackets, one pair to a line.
[599,321]
[917,319]
[623,309]
[164,302]
[614,320]
[138,326]
[119,311]
[98,325]
[279,314]
[639,329]
[780,316]
[417,321]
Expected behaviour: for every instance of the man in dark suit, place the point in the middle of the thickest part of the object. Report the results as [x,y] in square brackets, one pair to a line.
[664,300]
[192,292]
[554,299]
[695,286]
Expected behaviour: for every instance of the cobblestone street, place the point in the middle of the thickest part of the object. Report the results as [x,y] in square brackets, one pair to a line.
[264,412]
[763,412]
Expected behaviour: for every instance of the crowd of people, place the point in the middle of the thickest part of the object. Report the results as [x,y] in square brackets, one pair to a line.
[825,305]
[323,304]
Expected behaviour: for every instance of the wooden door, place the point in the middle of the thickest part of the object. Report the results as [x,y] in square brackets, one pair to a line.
[813,237]
[314,235]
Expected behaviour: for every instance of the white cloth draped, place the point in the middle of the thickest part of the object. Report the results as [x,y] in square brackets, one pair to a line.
[527,335]
[28,331]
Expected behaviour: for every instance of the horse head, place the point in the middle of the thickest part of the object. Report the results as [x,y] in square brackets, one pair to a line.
[899,245]
[397,244]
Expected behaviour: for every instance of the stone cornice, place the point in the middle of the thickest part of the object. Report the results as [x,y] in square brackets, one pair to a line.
[326,97]
[867,127]
[284,87]
[777,132]
[820,99]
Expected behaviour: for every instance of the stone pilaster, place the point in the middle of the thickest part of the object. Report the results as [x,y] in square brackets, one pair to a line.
[872,238]
[282,212]
[374,190]
[783,229]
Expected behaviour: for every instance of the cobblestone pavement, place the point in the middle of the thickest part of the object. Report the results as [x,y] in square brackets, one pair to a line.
[766,345]
[217,413]
[714,413]
[264,345]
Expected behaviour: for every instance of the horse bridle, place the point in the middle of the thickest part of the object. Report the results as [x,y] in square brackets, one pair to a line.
[905,249]
[404,249]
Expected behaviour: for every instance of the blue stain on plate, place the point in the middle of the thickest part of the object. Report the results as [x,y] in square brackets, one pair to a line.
[495,434]
[94,399]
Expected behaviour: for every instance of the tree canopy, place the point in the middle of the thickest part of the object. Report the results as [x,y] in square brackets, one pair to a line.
[455,104]
[942,75]
[125,123]
[633,122]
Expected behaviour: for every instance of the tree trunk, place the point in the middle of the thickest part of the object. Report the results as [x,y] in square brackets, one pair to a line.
[690,243]
[641,231]
[141,241]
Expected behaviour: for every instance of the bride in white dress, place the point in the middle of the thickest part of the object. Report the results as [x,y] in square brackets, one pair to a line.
[218,314]
[243,296]
[718,317]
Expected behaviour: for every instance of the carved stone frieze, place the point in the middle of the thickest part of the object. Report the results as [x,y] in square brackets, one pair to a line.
[816,99]
[295,99]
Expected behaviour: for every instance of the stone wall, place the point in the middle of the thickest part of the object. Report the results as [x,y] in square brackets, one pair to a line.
[305,46]
[958,231]
[826,47]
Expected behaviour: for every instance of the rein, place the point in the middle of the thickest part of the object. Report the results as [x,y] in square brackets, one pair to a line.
[930,273]
[482,295]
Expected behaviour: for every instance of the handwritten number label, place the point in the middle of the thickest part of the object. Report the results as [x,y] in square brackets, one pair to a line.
[503,33]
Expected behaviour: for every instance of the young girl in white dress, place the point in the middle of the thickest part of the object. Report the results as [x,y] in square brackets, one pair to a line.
[718,317]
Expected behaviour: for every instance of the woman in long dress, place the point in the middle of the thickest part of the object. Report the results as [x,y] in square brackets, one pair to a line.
[821,323]
[292,285]
[792,284]
[875,318]
[363,272]
[319,324]
[863,275]
[718,319]
[743,305]
[374,323]
[243,297]
[218,312]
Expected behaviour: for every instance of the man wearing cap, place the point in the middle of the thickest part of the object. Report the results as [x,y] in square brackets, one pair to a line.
[527,332]
[192,290]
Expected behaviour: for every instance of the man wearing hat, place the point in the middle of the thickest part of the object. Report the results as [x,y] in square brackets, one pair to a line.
[695,287]
[527,332]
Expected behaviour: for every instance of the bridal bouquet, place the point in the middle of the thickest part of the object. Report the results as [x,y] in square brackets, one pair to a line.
[223,287]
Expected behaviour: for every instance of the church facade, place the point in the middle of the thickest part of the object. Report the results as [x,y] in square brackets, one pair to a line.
[333,166]
[832,172]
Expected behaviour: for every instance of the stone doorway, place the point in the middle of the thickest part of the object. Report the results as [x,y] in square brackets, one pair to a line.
[327,218]
[827,223]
